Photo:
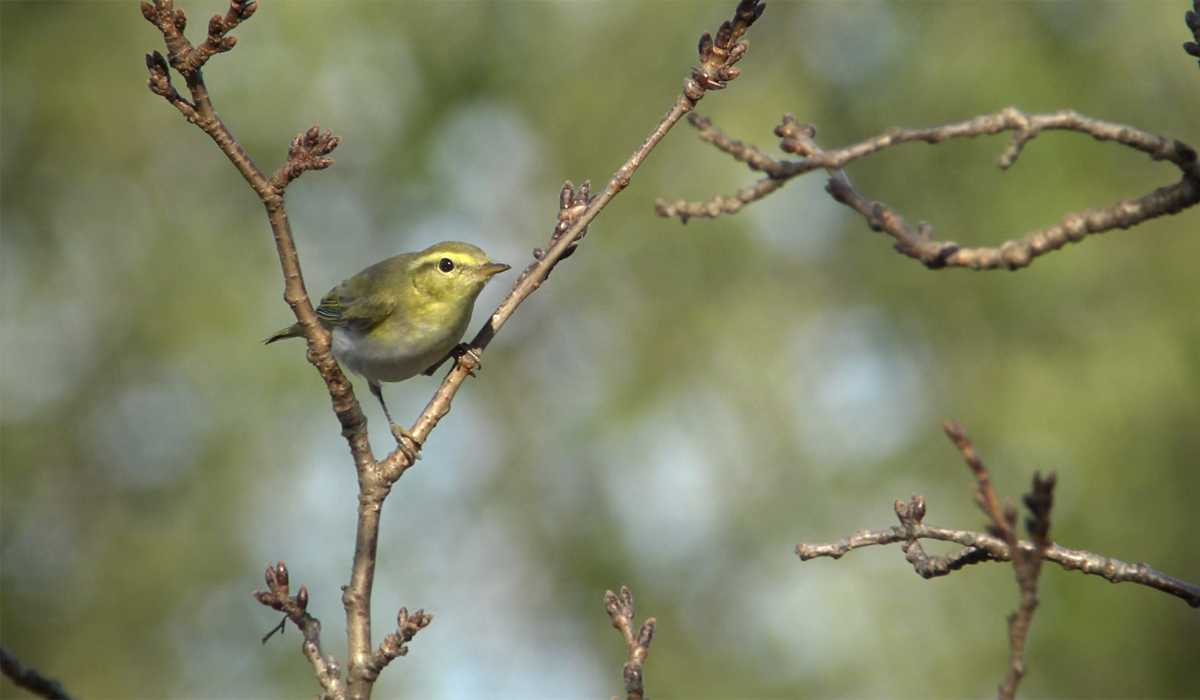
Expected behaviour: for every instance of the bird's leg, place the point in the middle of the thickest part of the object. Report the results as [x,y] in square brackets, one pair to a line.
[434,367]
[459,351]
[398,432]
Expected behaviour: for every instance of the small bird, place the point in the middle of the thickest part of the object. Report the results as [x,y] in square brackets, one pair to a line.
[404,315]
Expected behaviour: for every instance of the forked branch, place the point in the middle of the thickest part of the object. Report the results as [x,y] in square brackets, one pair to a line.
[918,243]
[577,209]
[295,607]
[999,543]
[1026,564]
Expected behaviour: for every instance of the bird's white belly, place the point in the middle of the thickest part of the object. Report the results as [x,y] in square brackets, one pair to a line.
[382,361]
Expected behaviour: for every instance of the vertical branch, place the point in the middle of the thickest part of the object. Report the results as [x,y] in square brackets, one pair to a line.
[278,597]
[1028,567]
[1027,564]
[356,598]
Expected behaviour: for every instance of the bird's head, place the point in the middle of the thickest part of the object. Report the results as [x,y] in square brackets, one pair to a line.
[453,272]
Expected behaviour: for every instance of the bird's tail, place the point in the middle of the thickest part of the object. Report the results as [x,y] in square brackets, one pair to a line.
[292,331]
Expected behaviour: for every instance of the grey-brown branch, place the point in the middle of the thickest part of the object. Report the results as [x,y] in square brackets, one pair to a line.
[981,547]
[577,209]
[918,242]
[1027,564]
[295,607]
[999,543]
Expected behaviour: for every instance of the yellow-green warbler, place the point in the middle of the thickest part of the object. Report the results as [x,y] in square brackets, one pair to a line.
[404,315]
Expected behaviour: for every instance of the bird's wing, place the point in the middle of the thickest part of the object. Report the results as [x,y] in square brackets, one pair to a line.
[360,303]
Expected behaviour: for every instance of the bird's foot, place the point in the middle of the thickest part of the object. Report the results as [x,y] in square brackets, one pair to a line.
[406,443]
[469,356]
[460,351]
[434,367]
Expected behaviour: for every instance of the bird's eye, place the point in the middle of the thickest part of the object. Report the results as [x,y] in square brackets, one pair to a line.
[445,264]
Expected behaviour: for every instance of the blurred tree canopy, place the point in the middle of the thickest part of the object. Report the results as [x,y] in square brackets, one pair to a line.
[675,410]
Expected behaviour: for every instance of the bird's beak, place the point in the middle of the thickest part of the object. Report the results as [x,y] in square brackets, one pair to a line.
[492,269]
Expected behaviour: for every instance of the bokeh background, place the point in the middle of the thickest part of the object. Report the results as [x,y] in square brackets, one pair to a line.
[674,410]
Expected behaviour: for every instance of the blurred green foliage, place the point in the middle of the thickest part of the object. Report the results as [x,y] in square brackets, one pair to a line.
[674,410]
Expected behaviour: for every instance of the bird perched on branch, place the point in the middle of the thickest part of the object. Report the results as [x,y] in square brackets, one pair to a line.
[404,315]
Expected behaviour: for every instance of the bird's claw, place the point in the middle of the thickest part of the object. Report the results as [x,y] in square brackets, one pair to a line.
[403,441]
[460,351]
[463,350]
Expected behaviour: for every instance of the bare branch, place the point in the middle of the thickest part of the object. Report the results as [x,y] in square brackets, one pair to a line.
[999,544]
[637,640]
[1026,563]
[1028,566]
[278,597]
[395,644]
[991,548]
[981,547]
[919,243]
[572,203]
[306,152]
[985,495]
[577,208]
[219,27]
[30,679]
[718,56]
[160,84]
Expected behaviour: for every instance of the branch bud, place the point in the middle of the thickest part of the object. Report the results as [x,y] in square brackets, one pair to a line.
[646,634]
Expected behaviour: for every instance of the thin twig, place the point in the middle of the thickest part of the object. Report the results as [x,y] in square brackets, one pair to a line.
[986,547]
[1027,564]
[278,597]
[1028,567]
[985,494]
[30,679]
[637,639]
[919,243]
[395,644]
